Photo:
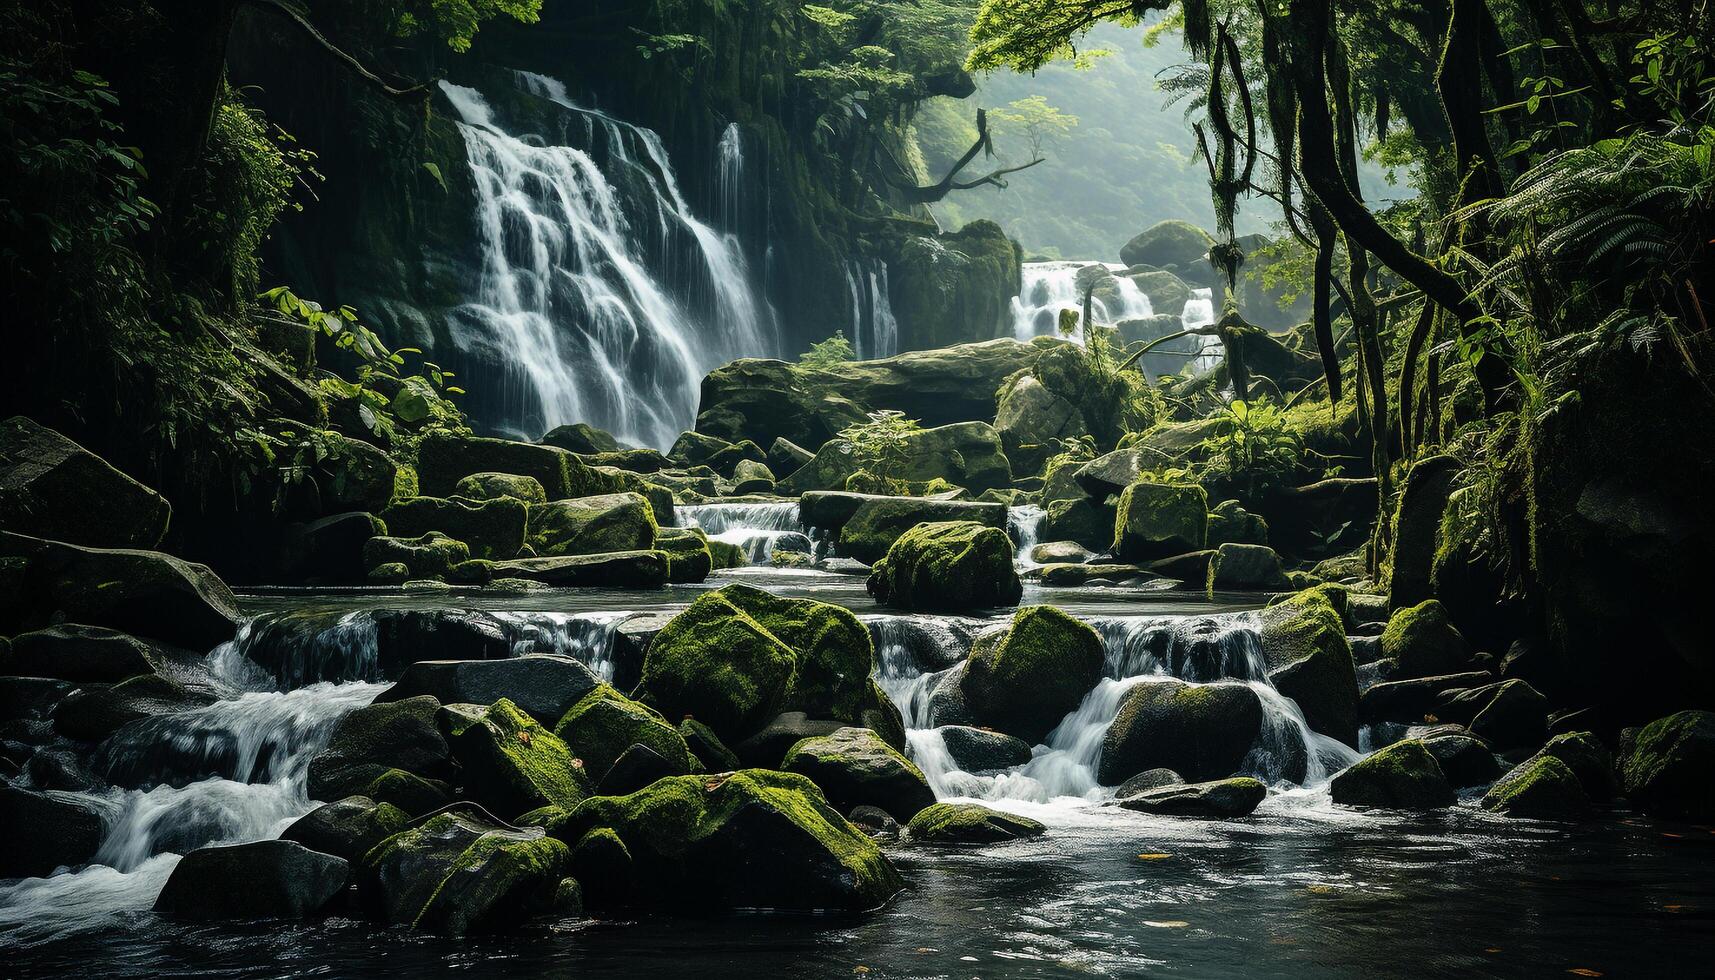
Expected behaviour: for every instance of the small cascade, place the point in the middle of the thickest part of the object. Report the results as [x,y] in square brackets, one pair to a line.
[602,298]
[1024,525]
[729,176]
[757,529]
[1050,287]
[874,329]
[1200,312]
[586,637]
[914,653]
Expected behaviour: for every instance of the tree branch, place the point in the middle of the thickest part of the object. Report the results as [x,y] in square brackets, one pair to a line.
[920,194]
[418,91]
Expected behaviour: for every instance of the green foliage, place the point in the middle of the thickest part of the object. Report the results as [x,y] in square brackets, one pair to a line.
[828,354]
[457,21]
[881,446]
[1254,446]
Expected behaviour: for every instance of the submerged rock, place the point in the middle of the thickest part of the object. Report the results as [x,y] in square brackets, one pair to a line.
[969,823]
[1221,799]
[1403,776]
[948,566]
[751,839]
[51,487]
[1024,679]
[1159,520]
[1669,769]
[268,879]
[854,767]
[1201,731]
[460,872]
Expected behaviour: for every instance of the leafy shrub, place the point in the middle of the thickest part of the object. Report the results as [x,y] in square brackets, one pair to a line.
[828,354]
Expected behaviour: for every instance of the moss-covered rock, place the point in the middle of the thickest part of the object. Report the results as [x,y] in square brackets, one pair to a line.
[652,488]
[612,570]
[1230,522]
[707,747]
[458,873]
[969,823]
[1168,243]
[880,521]
[1310,661]
[1073,574]
[1201,731]
[443,459]
[1403,776]
[1245,568]
[854,767]
[747,839]
[739,656]
[1417,523]
[408,792]
[1670,768]
[511,764]
[602,860]
[347,828]
[1543,787]
[605,723]
[725,554]
[1424,642]
[592,525]
[497,486]
[1159,520]
[51,487]
[1589,760]
[951,287]
[492,529]
[267,879]
[751,476]
[965,454]
[1030,418]
[1221,799]
[948,566]
[581,437]
[689,559]
[429,555]
[1024,679]
[373,739]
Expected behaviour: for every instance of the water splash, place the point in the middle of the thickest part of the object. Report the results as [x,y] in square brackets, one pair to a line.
[586,637]
[757,529]
[1024,526]
[1049,287]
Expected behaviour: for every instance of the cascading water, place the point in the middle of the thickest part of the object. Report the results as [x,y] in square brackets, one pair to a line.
[601,297]
[1223,649]
[1050,287]
[757,529]
[1024,525]
[1200,312]
[874,330]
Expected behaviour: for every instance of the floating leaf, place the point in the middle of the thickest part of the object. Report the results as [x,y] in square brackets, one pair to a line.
[1166,923]
[1153,856]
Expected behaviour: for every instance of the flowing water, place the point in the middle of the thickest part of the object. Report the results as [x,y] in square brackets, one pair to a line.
[1050,287]
[1300,888]
[602,298]
[874,330]
[757,529]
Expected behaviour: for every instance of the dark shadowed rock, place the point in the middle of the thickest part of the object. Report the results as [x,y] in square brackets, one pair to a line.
[1221,799]
[269,879]
[978,749]
[1202,731]
[41,831]
[51,487]
[544,685]
[1403,776]
[347,828]
[969,823]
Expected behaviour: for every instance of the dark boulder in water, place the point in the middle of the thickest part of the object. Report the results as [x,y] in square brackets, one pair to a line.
[269,879]
[1310,661]
[347,828]
[72,652]
[372,740]
[969,823]
[978,749]
[1668,767]
[510,763]
[461,871]
[544,685]
[94,713]
[1543,787]
[1424,642]
[1403,776]
[604,725]
[41,831]
[1465,759]
[948,566]
[1202,731]
[492,529]
[1024,679]
[1221,799]
[854,767]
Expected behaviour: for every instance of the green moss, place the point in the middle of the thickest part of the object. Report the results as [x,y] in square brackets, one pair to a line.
[726,555]
[1403,775]
[1424,642]
[431,555]
[1668,770]
[512,764]
[1023,680]
[688,557]
[443,459]
[406,791]
[495,486]
[1310,659]
[969,823]
[604,723]
[593,525]
[947,565]
[1160,520]
[1542,786]
[495,875]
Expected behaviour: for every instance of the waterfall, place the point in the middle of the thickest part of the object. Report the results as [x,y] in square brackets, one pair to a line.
[729,176]
[756,529]
[1200,312]
[874,330]
[1050,287]
[585,637]
[601,297]
[1024,525]
[1224,649]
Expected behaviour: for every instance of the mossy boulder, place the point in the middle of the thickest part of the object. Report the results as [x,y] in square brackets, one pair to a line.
[493,529]
[443,459]
[979,749]
[1168,295]
[511,764]
[266,879]
[1160,520]
[1087,522]
[854,767]
[1221,799]
[71,652]
[458,872]
[1245,568]
[1168,243]
[581,437]
[880,521]
[751,476]
[1417,526]
[1310,661]
[499,486]
[1542,787]
[739,656]
[347,828]
[948,566]
[965,454]
[592,525]
[1589,760]
[747,839]
[1403,776]
[1024,679]
[143,593]
[1515,717]
[603,724]
[1465,759]
[612,570]
[1230,522]
[429,555]
[1201,731]
[374,739]
[51,487]
[1424,642]
[1030,418]
[969,823]
[1669,769]
[689,559]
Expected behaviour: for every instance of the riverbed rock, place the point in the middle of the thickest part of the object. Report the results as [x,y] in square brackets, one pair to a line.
[1221,799]
[1542,787]
[266,879]
[1024,679]
[143,593]
[1202,732]
[969,823]
[1170,243]
[604,724]
[72,652]
[373,739]
[443,459]
[511,764]
[328,550]
[1310,661]
[430,555]
[1068,575]
[689,559]
[493,529]
[592,525]
[854,767]
[581,437]
[746,839]
[1229,522]
[615,570]
[965,454]
[1589,760]
[767,747]
[738,656]
[41,831]
[1424,642]
[1087,522]
[498,486]
[1515,717]
[1669,768]
[1159,520]
[51,487]
[1030,417]
[543,685]
[1410,700]
[786,457]
[948,566]
[1465,759]
[347,828]
[1058,552]
[460,871]
[1147,780]
[1245,568]
[880,521]
[1403,776]
[752,476]
[91,714]
[410,793]
[980,750]
[30,699]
